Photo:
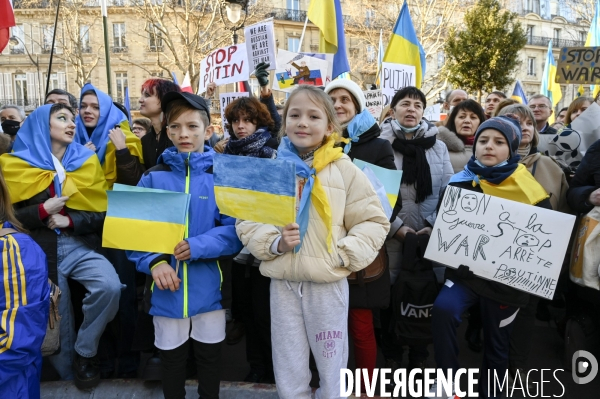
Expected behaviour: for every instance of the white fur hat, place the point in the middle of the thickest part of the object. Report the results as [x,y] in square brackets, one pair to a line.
[352,88]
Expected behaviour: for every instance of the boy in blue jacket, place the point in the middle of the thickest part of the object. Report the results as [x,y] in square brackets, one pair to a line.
[187,303]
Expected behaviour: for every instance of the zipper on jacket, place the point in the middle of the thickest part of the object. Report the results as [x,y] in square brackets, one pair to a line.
[187,191]
[221,274]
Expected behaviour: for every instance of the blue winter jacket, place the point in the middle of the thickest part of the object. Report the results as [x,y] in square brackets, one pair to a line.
[209,234]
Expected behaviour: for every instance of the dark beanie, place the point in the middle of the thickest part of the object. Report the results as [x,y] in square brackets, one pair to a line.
[509,127]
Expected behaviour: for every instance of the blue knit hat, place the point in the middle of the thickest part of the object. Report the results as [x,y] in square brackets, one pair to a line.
[509,127]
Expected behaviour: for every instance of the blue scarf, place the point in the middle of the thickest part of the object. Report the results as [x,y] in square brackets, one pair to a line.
[494,174]
[110,116]
[357,126]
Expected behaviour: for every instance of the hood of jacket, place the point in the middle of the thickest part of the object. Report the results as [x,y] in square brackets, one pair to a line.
[200,161]
[451,139]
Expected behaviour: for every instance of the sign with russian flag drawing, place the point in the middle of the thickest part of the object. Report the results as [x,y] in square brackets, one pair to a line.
[243,192]
[298,69]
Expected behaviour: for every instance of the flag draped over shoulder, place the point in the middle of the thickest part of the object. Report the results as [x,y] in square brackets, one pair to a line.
[519,94]
[550,88]
[404,47]
[242,192]
[593,40]
[136,216]
[332,36]
[30,168]
[110,116]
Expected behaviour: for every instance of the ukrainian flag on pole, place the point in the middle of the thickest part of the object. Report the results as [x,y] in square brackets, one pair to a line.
[593,40]
[333,40]
[519,94]
[550,88]
[404,47]
[144,219]
[242,192]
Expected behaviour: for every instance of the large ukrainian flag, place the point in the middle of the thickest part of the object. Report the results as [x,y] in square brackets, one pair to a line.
[389,178]
[144,219]
[404,47]
[550,88]
[256,189]
[593,40]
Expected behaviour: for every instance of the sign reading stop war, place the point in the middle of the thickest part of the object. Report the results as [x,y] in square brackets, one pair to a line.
[225,65]
[395,77]
[519,245]
[578,65]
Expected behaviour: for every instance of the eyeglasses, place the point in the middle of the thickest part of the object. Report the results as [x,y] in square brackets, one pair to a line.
[541,106]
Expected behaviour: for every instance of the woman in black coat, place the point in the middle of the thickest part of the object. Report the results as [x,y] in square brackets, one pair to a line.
[584,189]
[363,131]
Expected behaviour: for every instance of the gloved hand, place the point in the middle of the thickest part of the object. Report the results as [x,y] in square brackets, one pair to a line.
[262,75]
[464,273]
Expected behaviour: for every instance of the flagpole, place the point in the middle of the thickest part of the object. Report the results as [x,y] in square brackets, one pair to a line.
[106,48]
[52,49]
[302,36]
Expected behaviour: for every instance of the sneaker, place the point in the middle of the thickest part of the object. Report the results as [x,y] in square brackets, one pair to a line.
[87,372]
[153,369]
[432,394]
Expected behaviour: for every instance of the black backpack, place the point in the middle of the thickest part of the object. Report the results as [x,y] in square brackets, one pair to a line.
[414,292]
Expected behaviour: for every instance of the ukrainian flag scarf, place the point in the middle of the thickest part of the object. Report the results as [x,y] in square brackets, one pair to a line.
[510,181]
[110,116]
[313,192]
[31,168]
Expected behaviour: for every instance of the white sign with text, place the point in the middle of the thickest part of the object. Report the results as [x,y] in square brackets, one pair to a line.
[224,65]
[260,44]
[224,100]
[374,103]
[515,244]
[395,77]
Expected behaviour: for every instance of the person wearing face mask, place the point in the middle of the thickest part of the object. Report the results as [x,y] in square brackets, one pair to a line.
[426,168]
[459,132]
[11,119]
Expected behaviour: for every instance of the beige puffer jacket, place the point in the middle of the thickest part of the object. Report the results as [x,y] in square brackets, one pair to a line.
[359,230]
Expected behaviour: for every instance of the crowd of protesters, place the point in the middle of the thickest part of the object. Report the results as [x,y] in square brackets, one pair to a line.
[279,286]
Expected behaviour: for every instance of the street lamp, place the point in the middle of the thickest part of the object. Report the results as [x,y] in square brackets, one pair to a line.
[14,41]
[233,9]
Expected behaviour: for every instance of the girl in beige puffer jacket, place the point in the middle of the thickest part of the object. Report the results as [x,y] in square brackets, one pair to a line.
[341,227]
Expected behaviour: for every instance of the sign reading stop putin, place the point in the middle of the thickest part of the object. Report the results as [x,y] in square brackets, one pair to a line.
[225,65]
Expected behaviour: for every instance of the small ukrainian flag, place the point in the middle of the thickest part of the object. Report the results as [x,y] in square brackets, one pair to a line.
[133,222]
[256,189]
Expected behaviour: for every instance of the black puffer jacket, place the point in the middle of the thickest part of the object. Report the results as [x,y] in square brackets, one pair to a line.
[370,148]
[153,148]
[585,181]
[86,225]
[498,292]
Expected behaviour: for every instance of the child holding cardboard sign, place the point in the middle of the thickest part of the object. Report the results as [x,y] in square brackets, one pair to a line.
[494,169]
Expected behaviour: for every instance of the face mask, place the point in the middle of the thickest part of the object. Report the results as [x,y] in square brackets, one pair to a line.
[11,127]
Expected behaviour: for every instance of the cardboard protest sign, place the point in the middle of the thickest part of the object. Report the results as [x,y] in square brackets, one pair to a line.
[515,244]
[325,57]
[225,65]
[588,127]
[260,43]
[224,100]
[298,69]
[395,77]
[578,65]
[374,102]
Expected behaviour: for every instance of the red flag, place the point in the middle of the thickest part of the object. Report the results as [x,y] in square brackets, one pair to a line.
[187,85]
[7,20]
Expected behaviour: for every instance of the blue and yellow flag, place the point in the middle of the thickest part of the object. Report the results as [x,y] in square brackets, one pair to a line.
[145,219]
[242,192]
[332,36]
[110,116]
[389,178]
[404,47]
[550,88]
[30,168]
[593,40]
[519,94]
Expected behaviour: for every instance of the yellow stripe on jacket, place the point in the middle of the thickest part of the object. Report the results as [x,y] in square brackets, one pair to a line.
[15,290]
[134,145]
[85,186]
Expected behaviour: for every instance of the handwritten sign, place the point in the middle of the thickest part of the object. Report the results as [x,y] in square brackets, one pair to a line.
[578,65]
[295,69]
[260,43]
[508,242]
[224,65]
[224,100]
[394,78]
[433,113]
[374,102]
[325,57]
